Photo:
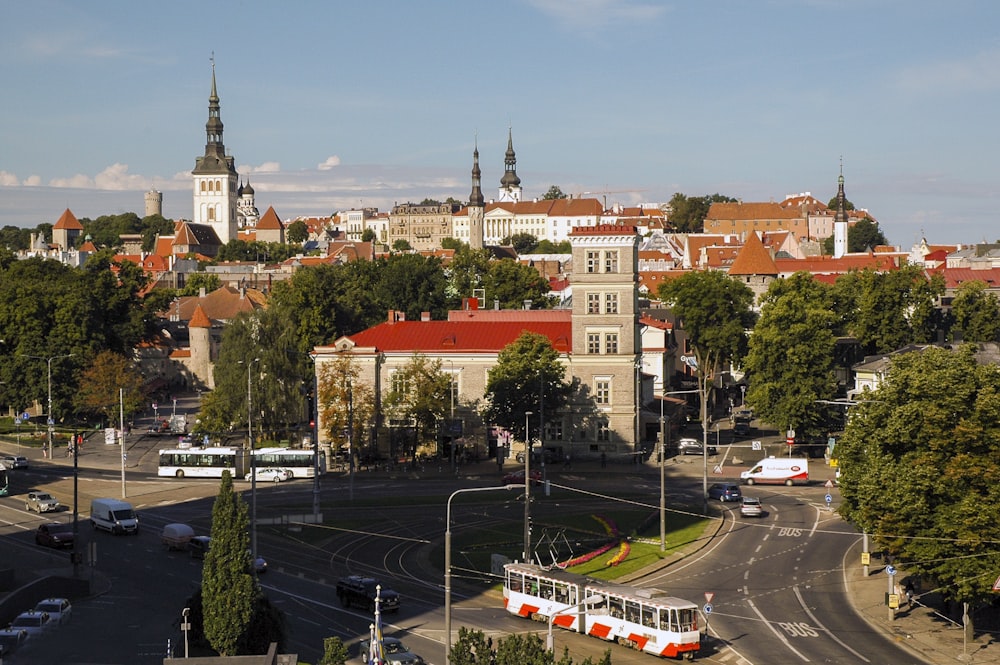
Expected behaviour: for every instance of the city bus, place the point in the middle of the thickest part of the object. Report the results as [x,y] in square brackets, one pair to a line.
[299,462]
[203,462]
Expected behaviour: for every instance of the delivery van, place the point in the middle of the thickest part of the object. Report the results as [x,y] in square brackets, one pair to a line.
[114,515]
[778,471]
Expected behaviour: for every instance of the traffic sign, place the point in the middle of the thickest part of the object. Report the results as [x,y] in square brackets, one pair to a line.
[828,499]
[890,570]
[709,595]
[790,440]
[25,416]
[996,585]
[755,445]
[708,608]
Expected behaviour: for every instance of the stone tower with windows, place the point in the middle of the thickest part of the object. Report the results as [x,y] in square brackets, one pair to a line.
[606,344]
[215,177]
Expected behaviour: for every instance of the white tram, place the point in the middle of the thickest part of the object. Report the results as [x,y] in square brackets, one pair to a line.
[646,619]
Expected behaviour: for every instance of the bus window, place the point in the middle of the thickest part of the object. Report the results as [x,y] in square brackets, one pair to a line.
[631,611]
[665,616]
[514,582]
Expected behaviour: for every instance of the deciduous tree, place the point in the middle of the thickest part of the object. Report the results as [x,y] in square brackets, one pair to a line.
[346,404]
[976,312]
[420,391]
[112,384]
[512,283]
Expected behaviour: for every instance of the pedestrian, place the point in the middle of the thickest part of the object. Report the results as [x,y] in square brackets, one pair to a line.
[604,460]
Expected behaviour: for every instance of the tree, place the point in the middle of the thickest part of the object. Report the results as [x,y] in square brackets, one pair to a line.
[467,271]
[512,283]
[687,215]
[401,245]
[297,232]
[523,243]
[862,236]
[452,243]
[413,284]
[976,312]
[368,235]
[197,281]
[229,589]
[334,652]
[346,404]
[546,246]
[474,648]
[154,226]
[528,376]
[880,308]
[553,194]
[920,460]
[790,361]
[110,385]
[422,392]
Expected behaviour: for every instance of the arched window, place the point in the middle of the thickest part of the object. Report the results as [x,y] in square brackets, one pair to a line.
[203,186]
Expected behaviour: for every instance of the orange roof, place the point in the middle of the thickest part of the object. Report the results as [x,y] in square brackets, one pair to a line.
[955,277]
[68,221]
[199,319]
[753,259]
[269,220]
[751,211]
[818,265]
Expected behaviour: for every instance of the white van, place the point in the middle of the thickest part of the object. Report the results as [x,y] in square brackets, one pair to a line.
[114,515]
[176,536]
[778,471]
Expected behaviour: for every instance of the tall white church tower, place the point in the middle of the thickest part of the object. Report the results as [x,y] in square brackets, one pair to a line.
[215,177]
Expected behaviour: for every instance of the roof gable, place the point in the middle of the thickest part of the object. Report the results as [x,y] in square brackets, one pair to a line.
[753,259]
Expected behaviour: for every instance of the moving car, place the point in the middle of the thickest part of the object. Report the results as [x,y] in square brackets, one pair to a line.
[60,610]
[35,623]
[114,516]
[270,474]
[42,502]
[54,534]
[751,507]
[176,536]
[689,446]
[198,546]
[15,461]
[10,640]
[394,651]
[725,492]
[517,477]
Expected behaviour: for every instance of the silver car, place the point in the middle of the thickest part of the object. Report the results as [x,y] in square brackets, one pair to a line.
[41,502]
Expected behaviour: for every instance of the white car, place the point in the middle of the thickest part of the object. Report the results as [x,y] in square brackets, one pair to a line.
[271,475]
[35,623]
[42,502]
[15,461]
[60,610]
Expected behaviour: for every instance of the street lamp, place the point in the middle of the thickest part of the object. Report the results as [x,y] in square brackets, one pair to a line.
[527,488]
[49,420]
[663,454]
[447,563]
[589,600]
[451,424]
[253,464]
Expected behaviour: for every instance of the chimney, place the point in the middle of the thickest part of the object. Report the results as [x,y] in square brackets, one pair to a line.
[425,316]
[527,303]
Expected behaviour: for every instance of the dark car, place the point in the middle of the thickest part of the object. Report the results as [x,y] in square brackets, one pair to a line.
[689,446]
[725,492]
[198,546]
[517,477]
[54,534]
[548,455]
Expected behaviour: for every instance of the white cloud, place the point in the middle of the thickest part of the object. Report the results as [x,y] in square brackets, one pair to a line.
[266,167]
[330,162]
[117,177]
[33,181]
[78,181]
[597,15]
[8,179]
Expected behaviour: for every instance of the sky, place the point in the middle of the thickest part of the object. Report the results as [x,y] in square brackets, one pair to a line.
[338,104]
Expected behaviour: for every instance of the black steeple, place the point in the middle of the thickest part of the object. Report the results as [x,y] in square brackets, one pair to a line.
[841,215]
[215,160]
[510,178]
[476,197]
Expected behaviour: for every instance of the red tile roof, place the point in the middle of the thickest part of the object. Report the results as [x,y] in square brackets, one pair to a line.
[270,220]
[459,336]
[818,265]
[955,277]
[753,259]
[68,221]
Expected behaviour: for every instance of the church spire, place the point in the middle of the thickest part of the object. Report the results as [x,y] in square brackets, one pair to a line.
[213,128]
[510,178]
[840,219]
[476,197]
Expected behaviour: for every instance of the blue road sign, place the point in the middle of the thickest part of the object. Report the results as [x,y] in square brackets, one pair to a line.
[708,608]
[890,570]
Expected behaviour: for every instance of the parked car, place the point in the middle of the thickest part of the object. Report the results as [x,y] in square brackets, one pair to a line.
[10,640]
[42,502]
[687,446]
[751,507]
[271,475]
[35,623]
[60,610]
[54,534]
[725,492]
[394,650]
[15,461]
[517,477]
[547,455]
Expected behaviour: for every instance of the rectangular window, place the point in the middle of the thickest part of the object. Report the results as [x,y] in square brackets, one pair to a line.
[399,384]
[602,391]
[593,343]
[603,432]
[554,431]
[611,343]
[611,261]
[610,303]
[593,261]
[593,303]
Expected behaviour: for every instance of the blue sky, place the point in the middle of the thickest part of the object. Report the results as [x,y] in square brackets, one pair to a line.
[335,104]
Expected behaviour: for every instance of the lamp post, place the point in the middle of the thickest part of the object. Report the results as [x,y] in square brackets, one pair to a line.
[253,464]
[447,563]
[589,600]
[663,454]
[451,424]
[49,422]
[527,487]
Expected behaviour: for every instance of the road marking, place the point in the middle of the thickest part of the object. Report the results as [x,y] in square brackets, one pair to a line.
[775,631]
[816,621]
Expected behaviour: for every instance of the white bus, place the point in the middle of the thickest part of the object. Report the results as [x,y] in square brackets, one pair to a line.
[299,462]
[203,462]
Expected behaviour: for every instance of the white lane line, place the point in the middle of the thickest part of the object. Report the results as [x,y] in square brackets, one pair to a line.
[826,630]
[775,631]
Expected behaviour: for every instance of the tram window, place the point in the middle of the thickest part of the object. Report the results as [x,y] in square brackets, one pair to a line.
[648,616]
[688,620]
[665,616]
[631,611]
[515,583]
[616,608]
[562,593]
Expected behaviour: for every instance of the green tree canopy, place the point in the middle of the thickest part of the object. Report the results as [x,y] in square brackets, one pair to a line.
[346,404]
[687,215]
[523,243]
[546,246]
[554,193]
[474,648]
[422,392]
[111,385]
[467,271]
[368,235]
[229,589]
[920,460]
[790,361]
[976,312]
[297,232]
[401,245]
[196,281]
[413,284]
[511,282]
[528,376]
